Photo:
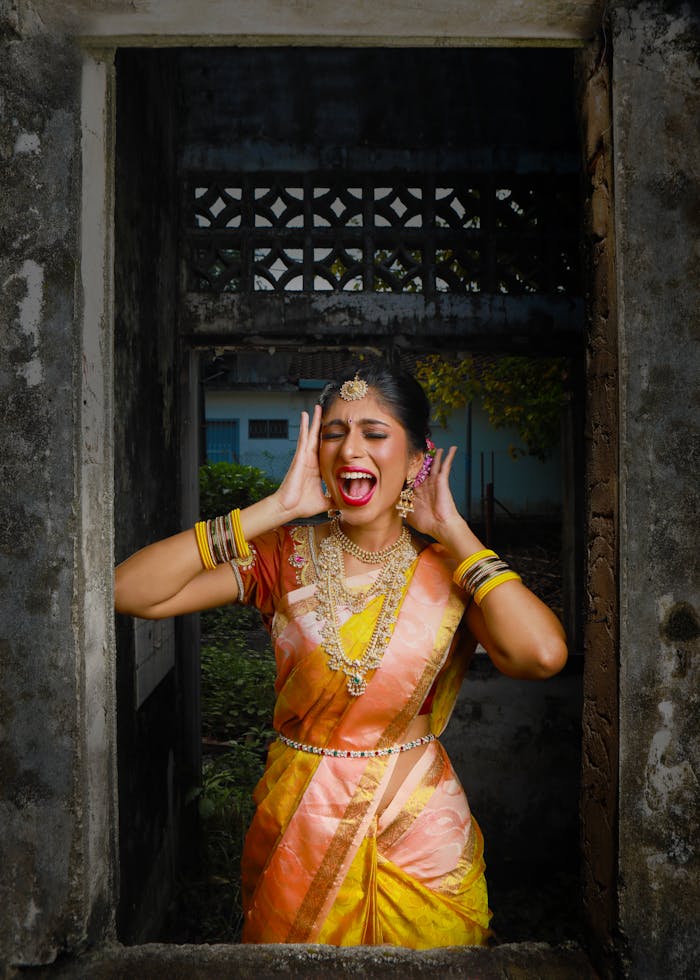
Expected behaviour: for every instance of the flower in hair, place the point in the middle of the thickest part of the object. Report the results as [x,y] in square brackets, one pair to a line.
[428,458]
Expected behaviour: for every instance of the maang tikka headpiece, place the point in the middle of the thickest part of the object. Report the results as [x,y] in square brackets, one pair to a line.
[352,391]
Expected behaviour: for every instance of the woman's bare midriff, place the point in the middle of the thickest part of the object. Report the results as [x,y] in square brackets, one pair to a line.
[406,760]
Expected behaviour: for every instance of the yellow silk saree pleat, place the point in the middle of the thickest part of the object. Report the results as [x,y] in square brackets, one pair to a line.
[403,888]
[378,903]
[354,917]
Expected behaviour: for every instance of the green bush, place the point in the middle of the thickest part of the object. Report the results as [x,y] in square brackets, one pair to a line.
[210,901]
[230,621]
[237,688]
[224,486]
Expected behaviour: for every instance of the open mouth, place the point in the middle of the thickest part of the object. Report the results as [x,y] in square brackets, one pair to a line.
[356,486]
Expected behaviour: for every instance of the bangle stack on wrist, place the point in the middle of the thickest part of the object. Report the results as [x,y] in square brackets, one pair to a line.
[222,540]
[481,572]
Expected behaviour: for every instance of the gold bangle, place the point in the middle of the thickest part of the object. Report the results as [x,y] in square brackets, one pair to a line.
[200,530]
[484,589]
[461,570]
[240,543]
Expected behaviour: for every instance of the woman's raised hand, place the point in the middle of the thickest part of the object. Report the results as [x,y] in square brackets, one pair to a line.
[435,511]
[301,492]
[166,578]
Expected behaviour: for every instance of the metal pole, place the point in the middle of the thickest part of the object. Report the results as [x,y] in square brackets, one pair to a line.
[468,463]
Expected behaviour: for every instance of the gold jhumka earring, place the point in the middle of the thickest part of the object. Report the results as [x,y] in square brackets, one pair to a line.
[404,504]
[332,511]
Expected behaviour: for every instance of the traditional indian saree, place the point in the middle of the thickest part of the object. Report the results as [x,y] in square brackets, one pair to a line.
[322,862]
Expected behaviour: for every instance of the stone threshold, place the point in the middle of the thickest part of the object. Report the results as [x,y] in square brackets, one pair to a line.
[160,961]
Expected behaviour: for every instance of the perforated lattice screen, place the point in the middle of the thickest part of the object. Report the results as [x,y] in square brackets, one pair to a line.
[418,234]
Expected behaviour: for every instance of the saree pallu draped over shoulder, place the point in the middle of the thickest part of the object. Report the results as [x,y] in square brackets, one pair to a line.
[322,862]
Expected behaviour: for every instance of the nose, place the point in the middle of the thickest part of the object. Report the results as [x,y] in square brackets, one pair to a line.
[351,448]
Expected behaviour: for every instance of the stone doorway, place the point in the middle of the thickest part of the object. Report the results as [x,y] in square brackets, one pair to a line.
[59,808]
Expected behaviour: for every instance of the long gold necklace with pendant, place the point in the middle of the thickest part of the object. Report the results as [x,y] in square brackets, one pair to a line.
[332,594]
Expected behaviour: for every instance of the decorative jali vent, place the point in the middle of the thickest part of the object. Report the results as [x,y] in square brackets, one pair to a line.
[515,234]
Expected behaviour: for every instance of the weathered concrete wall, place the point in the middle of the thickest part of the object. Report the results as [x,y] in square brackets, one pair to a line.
[656,100]
[56,754]
[308,109]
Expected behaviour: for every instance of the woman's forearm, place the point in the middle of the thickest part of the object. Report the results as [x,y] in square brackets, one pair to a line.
[522,635]
[156,574]
[167,578]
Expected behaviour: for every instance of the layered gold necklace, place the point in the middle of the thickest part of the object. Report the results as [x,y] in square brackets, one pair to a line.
[333,594]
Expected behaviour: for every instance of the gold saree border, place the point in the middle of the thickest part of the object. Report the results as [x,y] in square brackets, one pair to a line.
[336,855]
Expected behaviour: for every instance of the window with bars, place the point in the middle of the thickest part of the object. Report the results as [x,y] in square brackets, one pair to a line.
[424,234]
[268,429]
[222,440]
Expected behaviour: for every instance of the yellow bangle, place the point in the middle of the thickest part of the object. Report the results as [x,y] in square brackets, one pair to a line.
[484,590]
[242,548]
[462,569]
[200,530]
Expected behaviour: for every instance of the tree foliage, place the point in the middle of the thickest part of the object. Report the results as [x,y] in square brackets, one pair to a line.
[523,393]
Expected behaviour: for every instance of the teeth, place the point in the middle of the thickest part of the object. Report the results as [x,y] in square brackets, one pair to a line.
[357,476]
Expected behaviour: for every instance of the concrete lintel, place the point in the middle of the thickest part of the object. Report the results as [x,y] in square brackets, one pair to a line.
[467,320]
[212,22]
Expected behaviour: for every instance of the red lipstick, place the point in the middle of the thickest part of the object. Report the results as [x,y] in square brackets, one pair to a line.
[356,486]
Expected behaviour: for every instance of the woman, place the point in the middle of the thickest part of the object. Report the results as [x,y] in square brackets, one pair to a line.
[362,833]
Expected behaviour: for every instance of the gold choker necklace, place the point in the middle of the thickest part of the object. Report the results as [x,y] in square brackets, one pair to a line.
[368,557]
[332,594]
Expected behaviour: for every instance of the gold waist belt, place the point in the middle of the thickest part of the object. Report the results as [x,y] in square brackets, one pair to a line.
[356,753]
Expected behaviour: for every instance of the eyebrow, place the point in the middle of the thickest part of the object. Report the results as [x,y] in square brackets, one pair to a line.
[326,425]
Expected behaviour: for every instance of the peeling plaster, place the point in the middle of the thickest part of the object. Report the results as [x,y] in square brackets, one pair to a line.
[33,912]
[663,779]
[30,307]
[27,143]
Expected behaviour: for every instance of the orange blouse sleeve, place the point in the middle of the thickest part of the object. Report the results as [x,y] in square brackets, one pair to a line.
[271,575]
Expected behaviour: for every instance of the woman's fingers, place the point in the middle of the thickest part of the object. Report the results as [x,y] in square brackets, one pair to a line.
[309,431]
[302,437]
[315,430]
[442,464]
[448,459]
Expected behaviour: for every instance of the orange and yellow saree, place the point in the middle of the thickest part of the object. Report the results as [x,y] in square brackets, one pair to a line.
[322,862]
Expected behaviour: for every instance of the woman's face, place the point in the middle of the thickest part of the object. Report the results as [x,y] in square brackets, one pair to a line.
[364,457]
